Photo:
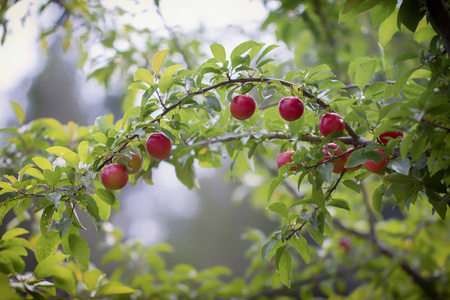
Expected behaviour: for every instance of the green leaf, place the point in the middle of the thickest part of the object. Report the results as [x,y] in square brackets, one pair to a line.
[266,51]
[242,48]
[112,288]
[439,204]
[283,263]
[359,157]
[108,197]
[63,226]
[186,174]
[341,203]
[405,56]
[42,163]
[91,277]
[5,207]
[55,198]
[410,13]
[13,233]
[388,28]
[301,245]
[382,11]
[44,267]
[273,185]
[398,178]
[401,81]
[46,245]
[83,151]
[214,103]
[318,196]
[64,279]
[68,155]
[325,171]
[80,250]
[158,60]
[102,124]
[166,80]
[364,72]
[279,208]
[376,199]
[144,75]
[219,52]
[352,185]
[400,165]
[20,114]
[46,218]
[267,249]
[316,234]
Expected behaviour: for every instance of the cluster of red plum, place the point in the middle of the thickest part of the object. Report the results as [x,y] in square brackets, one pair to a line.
[115,176]
[291,109]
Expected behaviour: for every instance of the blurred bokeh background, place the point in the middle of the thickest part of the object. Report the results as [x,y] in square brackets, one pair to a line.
[45,77]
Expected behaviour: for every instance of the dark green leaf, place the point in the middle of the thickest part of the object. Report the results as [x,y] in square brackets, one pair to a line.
[63,226]
[266,249]
[214,103]
[283,263]
[341,203]
[410,13]
[376,199]
[352,185]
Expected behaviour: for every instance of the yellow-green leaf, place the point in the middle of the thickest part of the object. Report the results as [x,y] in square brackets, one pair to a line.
[46,245]
[13,233]
[115,288]
[83,151]
[70,156]
[158,60]
[42,163]
[219,52]
[91,278]
[145,75]
[20,114]
[167,78]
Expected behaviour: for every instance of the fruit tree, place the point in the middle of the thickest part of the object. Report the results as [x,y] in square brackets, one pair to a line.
[337,153]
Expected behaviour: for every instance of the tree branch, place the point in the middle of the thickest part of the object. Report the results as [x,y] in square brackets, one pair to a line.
[441,18]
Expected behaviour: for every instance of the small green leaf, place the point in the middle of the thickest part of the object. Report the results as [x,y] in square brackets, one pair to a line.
[301,245]
[376,199]
[46,218]
[13,233]
[80,250]
[341,203]
[46,245]
[283,263]
[20,114]
[273,185]
[352,185]
[364,72]
[63,226]
[318,196]
[279,208]
[83,151]
[5,207]
[68,155]
[400,165]
[316,234]
[108,197]
[359,157]
[405,56]
[166,80]
[267,249]
[158,60]
[401,81]
[42,163]
[219,52]
[382,11]
[214,103]
[102,124]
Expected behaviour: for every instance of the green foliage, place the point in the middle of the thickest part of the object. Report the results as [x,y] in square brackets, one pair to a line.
[52,170]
